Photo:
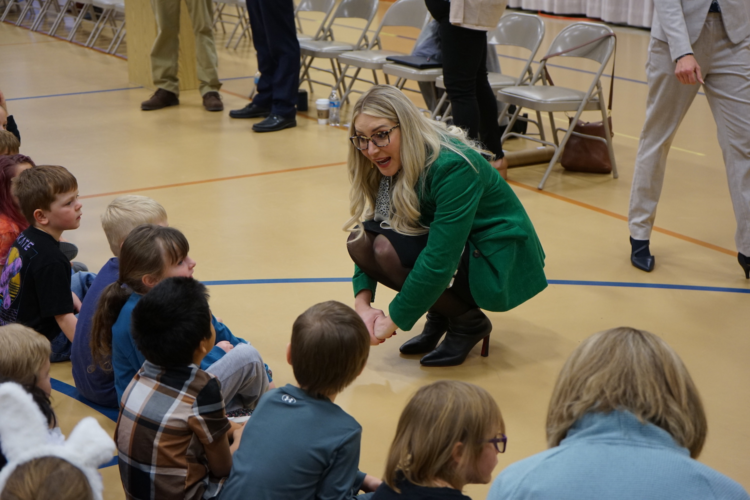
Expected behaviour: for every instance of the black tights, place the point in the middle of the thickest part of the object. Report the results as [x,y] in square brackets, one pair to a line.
[377,258]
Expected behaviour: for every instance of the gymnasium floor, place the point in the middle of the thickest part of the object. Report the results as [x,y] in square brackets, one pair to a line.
[263,214]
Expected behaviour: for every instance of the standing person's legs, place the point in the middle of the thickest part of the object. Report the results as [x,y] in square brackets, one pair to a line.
[165,52]
[242,375]
[728,92]
[464,53]
[489,130]
[666,106]
[266,64]
[201,16]
[278,16]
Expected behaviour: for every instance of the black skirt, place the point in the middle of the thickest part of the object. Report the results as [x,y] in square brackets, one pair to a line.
[408,249]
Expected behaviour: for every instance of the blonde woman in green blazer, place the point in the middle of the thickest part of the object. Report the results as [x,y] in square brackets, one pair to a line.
[431,219]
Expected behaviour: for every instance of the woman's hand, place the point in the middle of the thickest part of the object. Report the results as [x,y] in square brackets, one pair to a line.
[368,313]
[384,328]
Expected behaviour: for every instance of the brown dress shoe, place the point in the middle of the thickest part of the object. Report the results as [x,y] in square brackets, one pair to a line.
[212,101]
[161,99]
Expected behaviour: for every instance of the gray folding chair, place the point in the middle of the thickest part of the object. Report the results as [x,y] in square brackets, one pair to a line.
[513,30]
[331,49]
[323,6]
[583,40]
[403,13]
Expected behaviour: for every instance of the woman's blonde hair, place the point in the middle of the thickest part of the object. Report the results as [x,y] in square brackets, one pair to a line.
[23,352]
[47,478]
[421,142]
[437,417]
[628,369]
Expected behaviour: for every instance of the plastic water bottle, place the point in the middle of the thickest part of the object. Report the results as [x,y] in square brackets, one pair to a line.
[334,116]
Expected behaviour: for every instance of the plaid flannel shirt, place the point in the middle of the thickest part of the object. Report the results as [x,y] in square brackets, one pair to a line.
[167,415]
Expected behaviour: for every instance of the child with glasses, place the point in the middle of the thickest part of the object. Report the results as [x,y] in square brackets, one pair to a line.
[298,443]
[448,436]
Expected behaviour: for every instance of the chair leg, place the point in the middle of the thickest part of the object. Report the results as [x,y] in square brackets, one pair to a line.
[554,127]
[539,124]
[10,5]
[59,18]
[353,79]
[608,136]
[26,8]
[439,106]
[306,71]
[79,21]
[39,19]
[118,40]
[560,147]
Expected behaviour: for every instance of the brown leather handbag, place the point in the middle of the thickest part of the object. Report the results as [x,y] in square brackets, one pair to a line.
[583,154]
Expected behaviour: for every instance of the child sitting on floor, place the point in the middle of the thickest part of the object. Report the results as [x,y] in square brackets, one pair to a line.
[448,436]
[150,254]
[35,283]
[12,221]
[121,216]
[298,443]
[38,469]
[24,359]
[172,431]
[9,144]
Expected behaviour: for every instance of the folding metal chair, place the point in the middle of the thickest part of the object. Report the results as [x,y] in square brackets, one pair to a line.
[323,6]
[331,49]
[583,40]
[513,30]
[403,13]
[119,35]
[88,7]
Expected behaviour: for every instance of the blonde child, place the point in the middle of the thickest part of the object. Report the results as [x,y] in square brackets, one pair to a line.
[149,254]
[121,216]
[448,436]
[24,359]
[9,144]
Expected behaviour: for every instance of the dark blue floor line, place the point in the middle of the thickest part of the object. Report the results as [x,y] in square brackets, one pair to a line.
[71,93]
[622,284]
[72,392]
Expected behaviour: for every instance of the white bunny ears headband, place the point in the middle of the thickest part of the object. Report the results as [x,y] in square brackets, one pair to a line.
[24,431]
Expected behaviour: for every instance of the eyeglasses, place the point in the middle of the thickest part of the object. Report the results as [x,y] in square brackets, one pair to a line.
[380,139]
[500,442]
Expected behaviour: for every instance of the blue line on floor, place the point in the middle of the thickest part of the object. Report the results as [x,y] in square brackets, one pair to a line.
[72,392]
[71,93]
[622,284]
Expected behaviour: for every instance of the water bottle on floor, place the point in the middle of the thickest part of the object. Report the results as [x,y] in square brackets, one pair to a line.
[334,116]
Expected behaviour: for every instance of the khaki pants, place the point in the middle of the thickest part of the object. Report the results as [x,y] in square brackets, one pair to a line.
[726,70]
[164,54]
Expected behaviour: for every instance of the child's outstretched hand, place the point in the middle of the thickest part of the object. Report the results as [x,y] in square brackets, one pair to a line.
[225,345]
[370,484]
[384,328]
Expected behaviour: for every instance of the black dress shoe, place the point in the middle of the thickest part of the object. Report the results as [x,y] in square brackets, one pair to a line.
[250,111]
[426,341]
[744,261]
[274,123]
[463,334]
[640,255]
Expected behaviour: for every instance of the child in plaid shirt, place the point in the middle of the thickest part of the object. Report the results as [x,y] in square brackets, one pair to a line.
[172,434]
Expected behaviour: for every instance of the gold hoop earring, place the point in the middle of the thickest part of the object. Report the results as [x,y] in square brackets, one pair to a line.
[372,165]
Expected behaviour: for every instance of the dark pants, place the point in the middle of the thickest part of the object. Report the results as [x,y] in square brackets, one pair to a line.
[60,346]
[465,73]
[275,40]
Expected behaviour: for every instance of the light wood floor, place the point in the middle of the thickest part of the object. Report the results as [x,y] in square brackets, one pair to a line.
[270,207]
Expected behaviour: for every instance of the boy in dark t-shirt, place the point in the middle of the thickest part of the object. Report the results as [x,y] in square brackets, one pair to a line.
[35,283]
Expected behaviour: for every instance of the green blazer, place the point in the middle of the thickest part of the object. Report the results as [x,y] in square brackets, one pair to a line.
[459,203]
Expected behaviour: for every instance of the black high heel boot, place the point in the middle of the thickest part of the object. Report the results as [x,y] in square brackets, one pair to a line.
[640,256]
[463,334]
[426,341]
[744,261]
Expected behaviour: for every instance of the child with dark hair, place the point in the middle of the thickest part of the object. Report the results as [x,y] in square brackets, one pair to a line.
[172,434]
[299,444]
[12,221]
[35,283]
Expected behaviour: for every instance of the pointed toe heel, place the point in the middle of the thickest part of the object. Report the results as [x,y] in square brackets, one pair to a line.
[426,341]
[745,263]
[464,332]
[640,255]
